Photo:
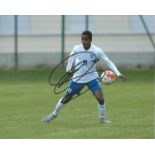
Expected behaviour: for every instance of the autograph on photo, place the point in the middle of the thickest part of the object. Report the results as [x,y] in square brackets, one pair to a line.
[67,76]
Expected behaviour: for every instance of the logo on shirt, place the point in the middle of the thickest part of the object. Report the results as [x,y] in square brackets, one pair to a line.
[91,56]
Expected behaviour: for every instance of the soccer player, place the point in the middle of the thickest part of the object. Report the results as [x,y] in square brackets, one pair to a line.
[86,74]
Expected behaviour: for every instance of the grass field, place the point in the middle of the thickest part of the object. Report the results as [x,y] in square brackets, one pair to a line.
[25,97]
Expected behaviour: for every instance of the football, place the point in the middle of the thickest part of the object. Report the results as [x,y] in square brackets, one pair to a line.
[108,77]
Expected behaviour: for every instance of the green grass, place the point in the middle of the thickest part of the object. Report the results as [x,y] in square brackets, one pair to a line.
[25,97]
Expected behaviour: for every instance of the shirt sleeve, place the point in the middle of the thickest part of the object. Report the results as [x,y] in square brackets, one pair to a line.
[70,61]
[110,64]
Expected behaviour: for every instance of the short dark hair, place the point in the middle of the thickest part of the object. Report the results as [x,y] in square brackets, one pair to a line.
[88,33]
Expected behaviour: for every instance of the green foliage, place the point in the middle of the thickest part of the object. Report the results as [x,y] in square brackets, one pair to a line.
[25,97]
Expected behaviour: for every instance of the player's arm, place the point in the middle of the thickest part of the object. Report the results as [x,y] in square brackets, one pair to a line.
[112,66]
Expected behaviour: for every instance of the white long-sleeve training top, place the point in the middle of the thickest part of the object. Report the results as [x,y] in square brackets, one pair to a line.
[84,62]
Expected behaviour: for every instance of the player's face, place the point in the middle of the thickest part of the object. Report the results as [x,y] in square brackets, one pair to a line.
[86,42]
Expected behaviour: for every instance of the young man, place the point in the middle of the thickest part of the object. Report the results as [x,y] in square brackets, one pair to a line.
[86,74]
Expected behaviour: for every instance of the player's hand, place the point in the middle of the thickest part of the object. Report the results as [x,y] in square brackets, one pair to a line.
[122,77]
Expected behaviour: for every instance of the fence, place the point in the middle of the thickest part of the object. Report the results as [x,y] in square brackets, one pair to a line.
[35,41]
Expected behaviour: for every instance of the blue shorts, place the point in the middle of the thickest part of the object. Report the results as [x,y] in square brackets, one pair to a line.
[75,88]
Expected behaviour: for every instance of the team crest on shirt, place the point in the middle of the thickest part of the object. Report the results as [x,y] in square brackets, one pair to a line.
[91,56]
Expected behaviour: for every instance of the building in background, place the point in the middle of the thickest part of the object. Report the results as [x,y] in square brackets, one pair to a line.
[37,40]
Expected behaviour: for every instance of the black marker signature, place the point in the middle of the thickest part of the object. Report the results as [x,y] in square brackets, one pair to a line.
[66,77]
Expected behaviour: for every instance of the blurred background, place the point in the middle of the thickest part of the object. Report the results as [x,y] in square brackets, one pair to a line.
[35,41]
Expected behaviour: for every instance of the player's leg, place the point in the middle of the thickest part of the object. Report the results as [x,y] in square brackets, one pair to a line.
[57,108]
[101,106]
[95,88]
[74,88]
[64,100]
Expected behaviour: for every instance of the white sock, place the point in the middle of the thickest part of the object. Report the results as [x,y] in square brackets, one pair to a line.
[101,109]
[58,107]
